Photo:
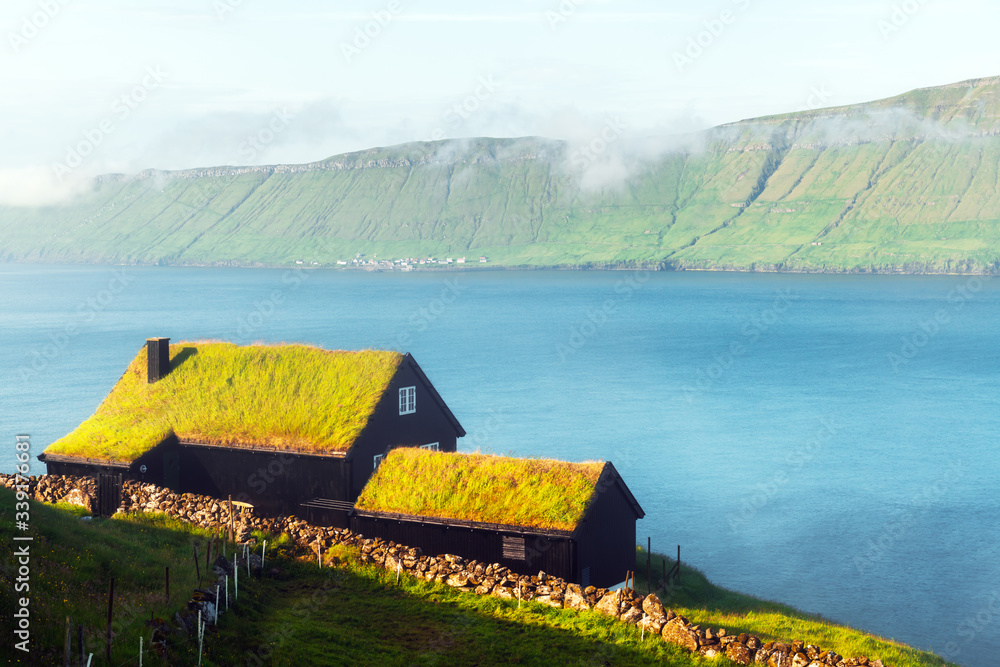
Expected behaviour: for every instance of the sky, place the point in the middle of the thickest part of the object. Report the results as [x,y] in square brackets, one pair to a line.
[99,86]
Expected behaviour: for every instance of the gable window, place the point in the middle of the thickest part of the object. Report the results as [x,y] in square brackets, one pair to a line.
[407,400]
[378,460]
[433,446]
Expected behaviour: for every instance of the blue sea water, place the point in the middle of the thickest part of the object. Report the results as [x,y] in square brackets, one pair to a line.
[824,441]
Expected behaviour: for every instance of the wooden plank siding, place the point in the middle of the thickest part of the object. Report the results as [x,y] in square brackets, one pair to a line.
[598,552]
[554,554]
[605,532]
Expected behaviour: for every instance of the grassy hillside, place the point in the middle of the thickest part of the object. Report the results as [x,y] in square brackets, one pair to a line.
[71,566]
[904,184]
[301,615]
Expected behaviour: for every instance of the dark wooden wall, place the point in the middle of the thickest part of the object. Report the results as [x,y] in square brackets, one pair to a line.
[274,482]
[388,429]
[553,555]
[607,537]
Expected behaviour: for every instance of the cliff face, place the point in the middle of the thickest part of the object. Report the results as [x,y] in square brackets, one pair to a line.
[904,184]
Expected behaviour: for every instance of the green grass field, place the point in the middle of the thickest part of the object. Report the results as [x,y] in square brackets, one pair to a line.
[906,184]
[71,566]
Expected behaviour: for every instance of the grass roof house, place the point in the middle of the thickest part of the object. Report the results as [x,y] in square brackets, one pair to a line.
[572,520]
[277,426]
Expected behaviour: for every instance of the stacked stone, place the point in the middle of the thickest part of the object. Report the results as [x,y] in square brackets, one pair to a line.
[472,576]
[57,488]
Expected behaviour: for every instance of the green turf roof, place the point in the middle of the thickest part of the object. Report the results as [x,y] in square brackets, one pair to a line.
[535,493]
[287,397]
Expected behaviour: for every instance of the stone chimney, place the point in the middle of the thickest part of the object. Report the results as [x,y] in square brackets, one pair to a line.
[158,356]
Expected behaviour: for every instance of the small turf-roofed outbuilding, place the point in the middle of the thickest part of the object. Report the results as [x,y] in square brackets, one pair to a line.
[278,426]
[571,520]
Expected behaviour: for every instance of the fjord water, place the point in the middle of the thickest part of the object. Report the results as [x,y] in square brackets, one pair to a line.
[824,441]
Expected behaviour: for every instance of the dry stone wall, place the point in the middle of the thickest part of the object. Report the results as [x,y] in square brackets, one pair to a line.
[472,576]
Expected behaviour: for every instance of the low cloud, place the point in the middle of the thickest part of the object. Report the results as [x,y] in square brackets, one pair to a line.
[603,154]
[38,186]
[268,135]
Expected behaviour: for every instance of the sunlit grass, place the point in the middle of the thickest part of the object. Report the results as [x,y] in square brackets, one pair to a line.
[702,602]
[289,397]
[71,566]
[539,493]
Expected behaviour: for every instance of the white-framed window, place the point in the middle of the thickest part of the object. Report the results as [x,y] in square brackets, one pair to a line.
[407,400]
[433,446]
[378,460]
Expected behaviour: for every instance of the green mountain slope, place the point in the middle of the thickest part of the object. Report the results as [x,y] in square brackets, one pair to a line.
[908,183]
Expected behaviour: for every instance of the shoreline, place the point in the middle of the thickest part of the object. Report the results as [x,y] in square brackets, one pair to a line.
[654,267]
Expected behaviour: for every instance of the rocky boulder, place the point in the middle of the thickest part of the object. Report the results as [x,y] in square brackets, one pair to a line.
[677,632]
[574,598]
[80,499]
[739,653]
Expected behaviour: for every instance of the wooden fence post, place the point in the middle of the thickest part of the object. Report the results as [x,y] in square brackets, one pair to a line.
[649,563]
[111,608]
[66,643]
[197,568]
